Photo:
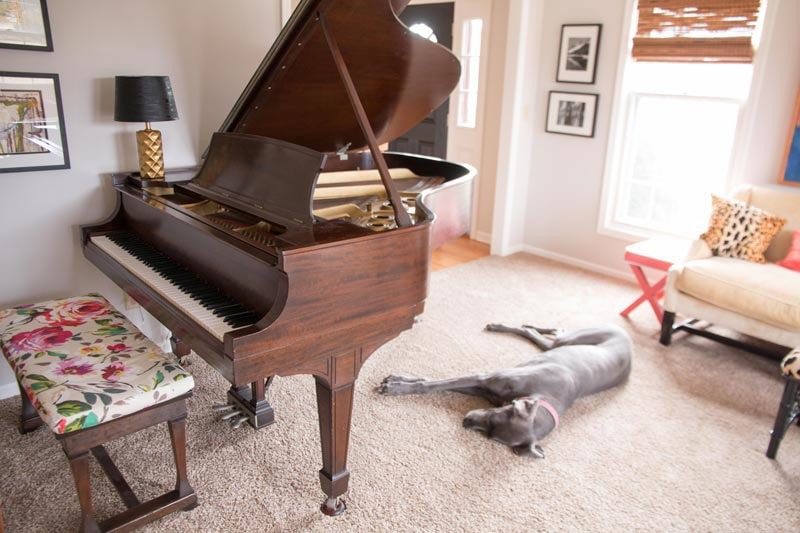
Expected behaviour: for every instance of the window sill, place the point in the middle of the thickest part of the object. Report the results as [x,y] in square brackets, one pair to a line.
[630,233]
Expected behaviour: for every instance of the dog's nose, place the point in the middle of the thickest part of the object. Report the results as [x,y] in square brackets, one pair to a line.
[468,423]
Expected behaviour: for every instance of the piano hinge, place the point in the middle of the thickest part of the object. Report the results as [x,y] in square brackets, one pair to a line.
[342,152]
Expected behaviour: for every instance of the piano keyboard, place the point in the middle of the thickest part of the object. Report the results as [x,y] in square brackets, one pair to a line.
[206,305]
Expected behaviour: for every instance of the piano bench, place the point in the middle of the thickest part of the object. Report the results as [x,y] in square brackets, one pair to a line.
[88,373]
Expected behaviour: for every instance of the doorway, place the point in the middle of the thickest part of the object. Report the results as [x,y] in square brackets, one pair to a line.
[429,137]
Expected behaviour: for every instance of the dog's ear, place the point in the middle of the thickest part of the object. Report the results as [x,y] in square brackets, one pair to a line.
[526,406]
[529,450]
[520,407]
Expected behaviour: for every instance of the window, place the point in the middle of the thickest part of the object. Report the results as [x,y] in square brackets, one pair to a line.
[678,112]
[424,31]
[470,65]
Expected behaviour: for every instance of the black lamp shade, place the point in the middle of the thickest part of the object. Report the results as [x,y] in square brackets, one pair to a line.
[144,99]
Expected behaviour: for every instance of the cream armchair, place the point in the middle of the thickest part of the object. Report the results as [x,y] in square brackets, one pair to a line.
[759,300]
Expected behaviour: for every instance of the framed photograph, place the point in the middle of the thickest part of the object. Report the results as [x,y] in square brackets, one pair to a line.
[577,55]
[31,122]
[571,113]
[790,171]
[24,25]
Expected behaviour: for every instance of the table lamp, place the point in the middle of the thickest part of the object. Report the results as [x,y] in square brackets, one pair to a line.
[146,99]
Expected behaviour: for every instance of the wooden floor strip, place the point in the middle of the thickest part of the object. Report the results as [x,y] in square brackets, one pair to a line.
[457,252]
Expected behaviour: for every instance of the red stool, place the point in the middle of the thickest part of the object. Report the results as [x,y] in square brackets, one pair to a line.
[658,254]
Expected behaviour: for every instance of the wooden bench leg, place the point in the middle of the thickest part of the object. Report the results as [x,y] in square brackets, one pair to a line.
[177,433]
[78,445]
[28,418]
[79,465]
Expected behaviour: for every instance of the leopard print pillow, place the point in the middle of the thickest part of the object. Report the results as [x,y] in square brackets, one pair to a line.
[739,230]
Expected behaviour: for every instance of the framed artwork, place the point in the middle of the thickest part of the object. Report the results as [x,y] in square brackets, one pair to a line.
[24,25]
[577,55]
[571,113]
[32,131]
[790,171]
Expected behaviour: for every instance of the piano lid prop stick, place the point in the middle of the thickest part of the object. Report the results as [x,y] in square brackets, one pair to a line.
[400,213]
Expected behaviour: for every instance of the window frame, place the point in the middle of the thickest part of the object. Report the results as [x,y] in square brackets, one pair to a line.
[620,123]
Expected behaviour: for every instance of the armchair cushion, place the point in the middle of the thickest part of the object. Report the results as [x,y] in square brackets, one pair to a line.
[764,292]
[792,259]
[740,230]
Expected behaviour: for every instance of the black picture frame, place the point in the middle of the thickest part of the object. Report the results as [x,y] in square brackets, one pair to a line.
[34,34]
[577,53]
[570,113]
[40,142]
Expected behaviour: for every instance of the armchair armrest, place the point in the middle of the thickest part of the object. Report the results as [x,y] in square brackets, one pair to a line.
[698,249]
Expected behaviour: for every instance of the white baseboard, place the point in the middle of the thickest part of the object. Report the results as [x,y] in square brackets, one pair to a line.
[482,236]
[612,272]
[8,390]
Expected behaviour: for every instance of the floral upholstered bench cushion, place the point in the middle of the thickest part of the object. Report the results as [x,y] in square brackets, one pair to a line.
[791,364]
[82,363]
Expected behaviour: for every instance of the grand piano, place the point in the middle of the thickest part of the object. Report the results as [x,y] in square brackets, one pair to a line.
[298,247]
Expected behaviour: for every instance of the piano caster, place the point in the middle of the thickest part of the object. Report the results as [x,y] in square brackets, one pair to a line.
[333,506]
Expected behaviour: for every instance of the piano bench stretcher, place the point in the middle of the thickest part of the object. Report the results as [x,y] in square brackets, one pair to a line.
[91,376]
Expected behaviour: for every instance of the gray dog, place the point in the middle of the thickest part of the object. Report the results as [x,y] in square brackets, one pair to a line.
[532,397]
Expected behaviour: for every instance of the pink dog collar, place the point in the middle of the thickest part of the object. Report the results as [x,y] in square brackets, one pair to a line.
[548,407]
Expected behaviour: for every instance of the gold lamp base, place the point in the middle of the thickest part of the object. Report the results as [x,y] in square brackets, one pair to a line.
[151,154]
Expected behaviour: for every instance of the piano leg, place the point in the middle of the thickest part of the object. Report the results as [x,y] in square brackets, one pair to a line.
[334,405]
[251,401]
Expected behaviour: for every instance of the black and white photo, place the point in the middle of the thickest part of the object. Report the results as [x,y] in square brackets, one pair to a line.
[577,57]
[571,113]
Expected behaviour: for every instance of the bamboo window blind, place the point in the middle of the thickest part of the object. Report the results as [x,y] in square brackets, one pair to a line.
[696,30]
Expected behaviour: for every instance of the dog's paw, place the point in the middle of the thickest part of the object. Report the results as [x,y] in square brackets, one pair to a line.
[533,451]
[399,385]
[392,388]
[401,379]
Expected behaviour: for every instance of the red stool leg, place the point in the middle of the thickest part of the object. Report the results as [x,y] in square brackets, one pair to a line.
[650,293]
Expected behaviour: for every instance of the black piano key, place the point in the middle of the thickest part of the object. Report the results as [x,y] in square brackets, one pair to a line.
[241,321]
[233,315]
[234,309]
[225,302]
[200,294]
[190,285]
[209,301]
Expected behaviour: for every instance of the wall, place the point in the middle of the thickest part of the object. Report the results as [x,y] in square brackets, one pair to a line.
[209,54]
[565,176]
[567,171]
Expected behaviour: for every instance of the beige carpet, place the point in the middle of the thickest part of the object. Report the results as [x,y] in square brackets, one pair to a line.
[680,447]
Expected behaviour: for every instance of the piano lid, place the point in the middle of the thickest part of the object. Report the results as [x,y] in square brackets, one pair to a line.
[297,94]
